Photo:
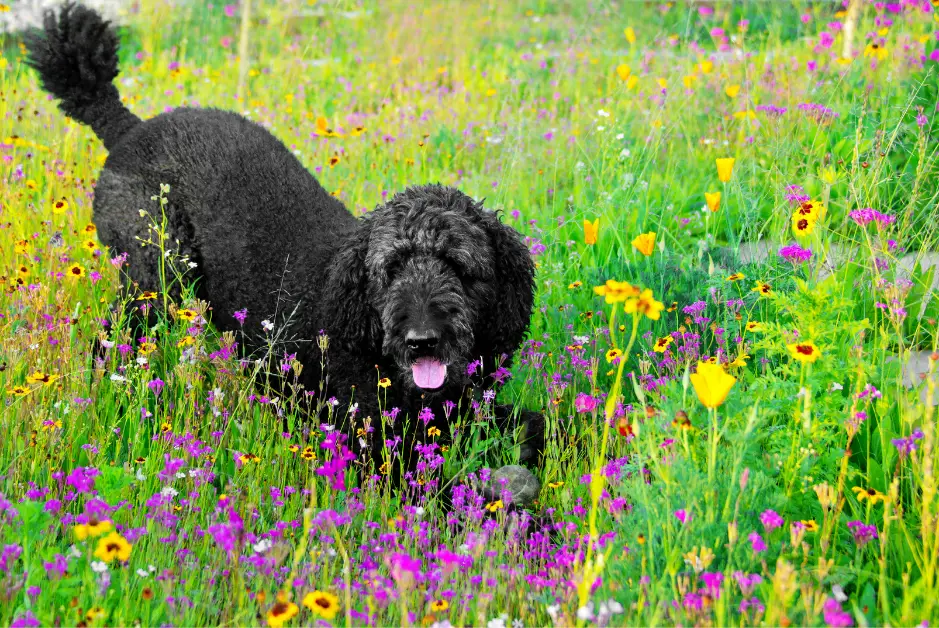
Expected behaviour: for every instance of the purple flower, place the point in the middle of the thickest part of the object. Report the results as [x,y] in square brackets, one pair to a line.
[241,315]
[863,533]
[795,254]
[756,542]
[771,520]
[712,582]
[683,515]
[585,403]
[57,566]
[747,582]
[864,217]
[835,616]
[156,385]
[82,479]
[25,621]
[907,445]
[9,555]
[403,568]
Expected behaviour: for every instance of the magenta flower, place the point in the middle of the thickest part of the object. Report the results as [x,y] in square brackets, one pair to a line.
[866,216]
[756,542]
[835,615]
[683,515]
[863,533]
[585,403]
[771,520]
[795,254]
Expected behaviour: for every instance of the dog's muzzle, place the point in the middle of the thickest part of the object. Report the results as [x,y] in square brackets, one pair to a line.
[429,372]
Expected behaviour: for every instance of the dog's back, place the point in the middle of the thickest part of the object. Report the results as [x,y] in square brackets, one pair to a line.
[258,227]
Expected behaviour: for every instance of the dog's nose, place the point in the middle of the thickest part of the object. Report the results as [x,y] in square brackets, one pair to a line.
[423,341]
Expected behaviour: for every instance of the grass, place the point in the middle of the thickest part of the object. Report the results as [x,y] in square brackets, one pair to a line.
[808,495]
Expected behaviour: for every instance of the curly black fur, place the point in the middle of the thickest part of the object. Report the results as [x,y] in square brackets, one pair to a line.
[429,276]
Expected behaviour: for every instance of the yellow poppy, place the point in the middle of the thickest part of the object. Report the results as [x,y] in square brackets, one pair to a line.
[713,200]
[712,384]
[616,291]
[623,71]
[591,231]
[725,168]
[645,243]
[732,90]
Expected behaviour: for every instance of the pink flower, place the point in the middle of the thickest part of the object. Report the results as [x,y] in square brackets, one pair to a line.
[683,515]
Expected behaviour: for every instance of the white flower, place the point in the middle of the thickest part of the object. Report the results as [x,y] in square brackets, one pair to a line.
[169,491]
[581,340]
[498,622]
[98,566]
[74,552]
[835,386]
[118,378]
[518,623]
[603,114]
[267,325]
[585,613]
[601,128]
[141,361]
[620,136]
[262,546]
[140,476]
[143,573]
[107,344]
[553,610]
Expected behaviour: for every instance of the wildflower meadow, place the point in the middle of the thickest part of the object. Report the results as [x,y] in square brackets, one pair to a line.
[732,207]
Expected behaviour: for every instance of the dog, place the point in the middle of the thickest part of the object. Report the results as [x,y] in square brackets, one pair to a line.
[423,292]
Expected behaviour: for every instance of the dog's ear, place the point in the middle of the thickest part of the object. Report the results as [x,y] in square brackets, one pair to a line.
[505,320]
[348,311]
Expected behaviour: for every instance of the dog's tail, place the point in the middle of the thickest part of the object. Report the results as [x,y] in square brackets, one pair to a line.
[75,54]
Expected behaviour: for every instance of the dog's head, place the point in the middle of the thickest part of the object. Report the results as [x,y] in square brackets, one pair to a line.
[432,281]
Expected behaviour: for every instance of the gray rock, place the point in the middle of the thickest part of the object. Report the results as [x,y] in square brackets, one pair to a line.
[519,481]
[915,369]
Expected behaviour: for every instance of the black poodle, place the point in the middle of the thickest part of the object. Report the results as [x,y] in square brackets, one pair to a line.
[416,291]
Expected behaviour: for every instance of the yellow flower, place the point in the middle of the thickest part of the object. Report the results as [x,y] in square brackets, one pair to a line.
[706,66]
[646,304]
[662,344]
[645,243]
[813,210]
[113,546]
[616,291]
[148,295]
[699,560]
[810,525]
[75,271]
[281,613]
[60,206]
[630,34]
[40,377]
[21,246]
[713,200]
[146,348]
[802,227]
[754,326]
[623,71]
[736,277]
[384,382]
[92,529]
[805,352]
[725,168]
[433,431]
[688,80]
[872,495]
[323,604]
[574,285]
[732,90]
[876,51]
[494,506]
[186,341]
[186,315]
[90,245]
[18,391]
[613,354]
[439,606]
[712,384]
[591,231]
[763,288]
[555,484]
[738,362]
[632,82]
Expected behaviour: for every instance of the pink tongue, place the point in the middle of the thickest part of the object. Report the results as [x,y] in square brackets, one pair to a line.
[429,373]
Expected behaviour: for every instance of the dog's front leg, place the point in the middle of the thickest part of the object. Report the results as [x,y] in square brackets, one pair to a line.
[532,445]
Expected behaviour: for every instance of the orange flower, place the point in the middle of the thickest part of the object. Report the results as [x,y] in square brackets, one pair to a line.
[591,231]
[645,243]
[713,200]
